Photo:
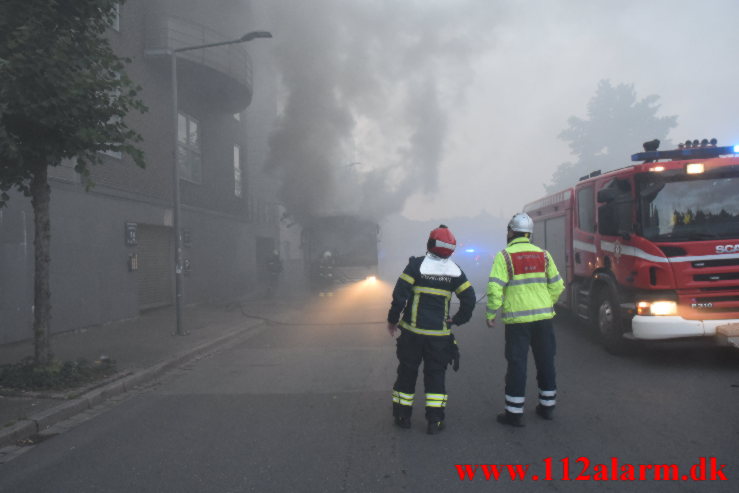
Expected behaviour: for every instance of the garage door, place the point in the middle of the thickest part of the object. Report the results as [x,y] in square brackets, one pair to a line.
[156,266]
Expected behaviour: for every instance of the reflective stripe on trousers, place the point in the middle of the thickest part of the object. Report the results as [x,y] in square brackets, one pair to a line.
[436,400]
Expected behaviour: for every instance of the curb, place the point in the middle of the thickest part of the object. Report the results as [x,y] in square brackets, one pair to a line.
[42,421]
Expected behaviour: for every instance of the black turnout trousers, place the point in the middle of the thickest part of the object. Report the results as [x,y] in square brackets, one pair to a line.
[436,353]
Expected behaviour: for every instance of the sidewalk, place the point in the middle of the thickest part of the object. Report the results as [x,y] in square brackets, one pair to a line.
[142,349]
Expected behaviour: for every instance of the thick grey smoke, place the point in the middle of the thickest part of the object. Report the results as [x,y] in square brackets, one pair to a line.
[367,90]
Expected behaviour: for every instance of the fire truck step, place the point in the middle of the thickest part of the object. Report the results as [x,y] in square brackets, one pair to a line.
[583,304]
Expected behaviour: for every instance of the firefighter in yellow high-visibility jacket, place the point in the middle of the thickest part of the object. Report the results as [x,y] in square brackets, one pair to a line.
[524,281]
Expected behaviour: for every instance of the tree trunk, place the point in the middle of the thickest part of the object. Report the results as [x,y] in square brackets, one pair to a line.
[40,197]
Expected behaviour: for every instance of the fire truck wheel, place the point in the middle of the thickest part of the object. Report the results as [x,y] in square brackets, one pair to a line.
[608,322]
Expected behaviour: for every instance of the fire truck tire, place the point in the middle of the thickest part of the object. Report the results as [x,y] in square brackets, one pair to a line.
[608,322]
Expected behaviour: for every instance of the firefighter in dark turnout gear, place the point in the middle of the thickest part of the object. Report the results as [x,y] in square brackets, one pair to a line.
[325,273]
[423,294]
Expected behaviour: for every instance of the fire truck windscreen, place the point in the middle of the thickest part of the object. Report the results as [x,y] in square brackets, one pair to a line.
[682,207]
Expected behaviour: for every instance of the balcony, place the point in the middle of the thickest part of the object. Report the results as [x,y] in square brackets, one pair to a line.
[220,76]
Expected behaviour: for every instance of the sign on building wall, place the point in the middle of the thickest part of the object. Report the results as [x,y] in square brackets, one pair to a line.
[131,234]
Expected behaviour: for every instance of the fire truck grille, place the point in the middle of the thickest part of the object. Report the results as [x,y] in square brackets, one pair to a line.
[722,276]
[717,299]
[720,288]
[716,263]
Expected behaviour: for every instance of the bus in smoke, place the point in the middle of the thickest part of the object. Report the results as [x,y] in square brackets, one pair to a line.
[339,249]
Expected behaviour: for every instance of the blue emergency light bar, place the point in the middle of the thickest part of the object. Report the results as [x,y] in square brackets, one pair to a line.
[682,154]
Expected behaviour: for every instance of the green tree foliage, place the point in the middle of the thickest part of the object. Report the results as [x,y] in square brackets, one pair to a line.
[63,96]
[617,125]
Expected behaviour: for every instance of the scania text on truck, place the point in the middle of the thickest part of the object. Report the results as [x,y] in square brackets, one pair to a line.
[650,251]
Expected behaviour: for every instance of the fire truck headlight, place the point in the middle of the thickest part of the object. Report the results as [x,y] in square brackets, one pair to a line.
[694,168]
[658,308]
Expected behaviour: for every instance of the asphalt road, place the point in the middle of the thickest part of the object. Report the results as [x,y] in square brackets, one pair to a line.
[305,406]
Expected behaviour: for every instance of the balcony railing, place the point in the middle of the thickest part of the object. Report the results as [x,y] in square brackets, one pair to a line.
[168,33]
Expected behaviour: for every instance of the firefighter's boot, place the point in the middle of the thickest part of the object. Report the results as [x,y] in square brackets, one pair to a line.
[511,419]
[401,416]
[435,427]
[545,412]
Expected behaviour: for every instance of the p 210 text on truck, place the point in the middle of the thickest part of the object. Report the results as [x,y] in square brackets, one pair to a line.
[650,251]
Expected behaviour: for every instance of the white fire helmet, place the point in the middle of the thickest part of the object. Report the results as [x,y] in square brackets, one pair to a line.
[521,223]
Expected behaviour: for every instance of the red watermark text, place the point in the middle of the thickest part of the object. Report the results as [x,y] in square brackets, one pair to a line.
[583,469]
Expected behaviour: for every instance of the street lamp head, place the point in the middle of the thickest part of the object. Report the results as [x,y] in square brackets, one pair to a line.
[255,35]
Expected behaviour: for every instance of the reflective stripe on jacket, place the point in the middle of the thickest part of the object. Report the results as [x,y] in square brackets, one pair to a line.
[423,300]
[524,280]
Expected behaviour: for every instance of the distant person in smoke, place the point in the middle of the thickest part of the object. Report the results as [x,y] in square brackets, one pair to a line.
[326,278]
[422,295]
[274,269]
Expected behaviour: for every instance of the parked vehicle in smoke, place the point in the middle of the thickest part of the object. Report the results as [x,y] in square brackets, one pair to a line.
[649,252]
[342,246]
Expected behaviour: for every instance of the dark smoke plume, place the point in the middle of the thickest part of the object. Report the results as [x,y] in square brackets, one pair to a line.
[367,87]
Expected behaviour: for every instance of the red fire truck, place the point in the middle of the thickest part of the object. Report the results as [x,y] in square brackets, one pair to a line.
[650,251]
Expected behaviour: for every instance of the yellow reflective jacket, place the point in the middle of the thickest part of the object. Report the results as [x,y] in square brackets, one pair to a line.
[524,280]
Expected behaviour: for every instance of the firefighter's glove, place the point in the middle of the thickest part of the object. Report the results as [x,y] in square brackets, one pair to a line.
[454,349]
[455,360]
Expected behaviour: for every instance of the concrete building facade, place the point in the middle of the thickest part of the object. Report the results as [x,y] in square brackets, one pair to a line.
[112,248]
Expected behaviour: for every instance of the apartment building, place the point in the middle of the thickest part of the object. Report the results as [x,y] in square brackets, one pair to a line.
[112,248]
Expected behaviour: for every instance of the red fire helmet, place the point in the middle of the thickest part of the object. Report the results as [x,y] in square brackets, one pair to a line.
[441,242]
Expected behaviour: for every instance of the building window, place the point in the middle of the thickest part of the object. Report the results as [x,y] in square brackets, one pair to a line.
[237,171]
[65,171]
[113,154]
[586,210]
[116,21]
[188,149]
[115,94]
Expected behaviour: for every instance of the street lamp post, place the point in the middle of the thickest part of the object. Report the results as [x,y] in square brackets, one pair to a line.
[176,173]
